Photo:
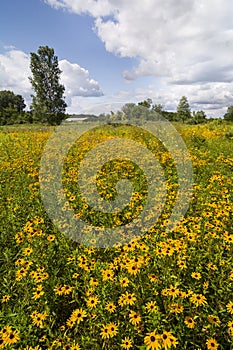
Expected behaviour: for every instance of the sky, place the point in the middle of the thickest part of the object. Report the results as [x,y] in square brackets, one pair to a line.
[112,52]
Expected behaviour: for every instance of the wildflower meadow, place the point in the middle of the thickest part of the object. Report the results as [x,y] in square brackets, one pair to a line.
[165,289]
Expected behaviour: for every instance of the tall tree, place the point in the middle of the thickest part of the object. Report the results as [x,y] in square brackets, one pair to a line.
[183,109]
[48,105]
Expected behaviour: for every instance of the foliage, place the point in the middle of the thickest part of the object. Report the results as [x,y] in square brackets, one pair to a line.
[48,105]
[11,108]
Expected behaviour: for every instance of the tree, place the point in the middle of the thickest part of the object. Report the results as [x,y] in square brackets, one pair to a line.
[158,108]
[198,117]
[229,115]
[11,108]
[183,109]
[9,100]
[48,104]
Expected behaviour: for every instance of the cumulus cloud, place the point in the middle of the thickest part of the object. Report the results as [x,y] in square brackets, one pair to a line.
[77,81]
[188,44]
[15,70]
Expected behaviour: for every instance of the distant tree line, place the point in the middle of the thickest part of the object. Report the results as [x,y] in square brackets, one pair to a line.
[146,110]
[48,103]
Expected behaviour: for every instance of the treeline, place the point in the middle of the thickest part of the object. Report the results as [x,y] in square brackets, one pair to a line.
[146,110]
[48,103]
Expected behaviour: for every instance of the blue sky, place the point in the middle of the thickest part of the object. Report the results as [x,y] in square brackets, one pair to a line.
[112,52]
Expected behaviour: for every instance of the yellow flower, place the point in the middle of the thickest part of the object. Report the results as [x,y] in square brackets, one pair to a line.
[92,301]
[126,343]
[124,282]
[94,282]
[153,277]
[196,275]
[189,321]
[151,306]
[5,298]
[51,238]
[168,340]
[38,318]
[109,330]
[111,307]
[214,320]
[212,344]
[230,307]
[152,340]
[134,318]
[112,329]
[176,308]
[107,274]
[11,337]
[198,299]
[127,299]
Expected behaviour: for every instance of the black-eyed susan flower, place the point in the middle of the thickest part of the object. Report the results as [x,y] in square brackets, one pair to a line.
[105,332]
[5,298]
[153,278]
[175,308]
[128,298]
[230,307]
[153,341]
[189,321]
[168,340]
[51,238]
[198,299]
[94,282]
[151,306]
[124,282]
[107,274]
[126,343]
[173,291]
[214,320]
[134,318]
[111,307]
[196,275]
[112,329]
[39,318]
[230,325]
[212,344]
[75,347]
[92,301]
[38,292]
[11,337]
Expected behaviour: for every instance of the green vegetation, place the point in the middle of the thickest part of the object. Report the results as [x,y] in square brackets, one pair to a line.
[164,290]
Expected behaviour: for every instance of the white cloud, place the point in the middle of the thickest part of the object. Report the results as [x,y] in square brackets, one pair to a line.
[15,70]
[92,7]
[187,44]
[77,81]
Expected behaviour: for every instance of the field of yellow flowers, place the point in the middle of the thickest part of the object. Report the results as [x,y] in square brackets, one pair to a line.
[162,290]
